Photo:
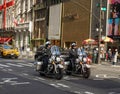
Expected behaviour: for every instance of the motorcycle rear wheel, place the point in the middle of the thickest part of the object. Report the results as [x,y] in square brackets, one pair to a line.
[86,74]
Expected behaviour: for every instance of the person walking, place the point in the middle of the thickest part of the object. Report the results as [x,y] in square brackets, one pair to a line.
[115,57]
[109,55]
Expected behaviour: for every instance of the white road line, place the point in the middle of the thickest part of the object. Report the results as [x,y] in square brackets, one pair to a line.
[2,65]
[22,83]
[25,74]
[14,65]
[88,92]
[63,85]
[10,70]
[54,85]
[28,65]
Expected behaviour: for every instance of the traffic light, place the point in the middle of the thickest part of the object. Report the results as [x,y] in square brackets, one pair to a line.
[103,8]
[98,5]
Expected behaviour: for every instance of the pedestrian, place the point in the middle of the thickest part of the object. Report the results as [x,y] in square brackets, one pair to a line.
[115,55]
[109,55]
[95,55]
[23,48]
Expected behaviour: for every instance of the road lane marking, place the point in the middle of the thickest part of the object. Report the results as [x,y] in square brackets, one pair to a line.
[10,70]
[63,85]
[28,65]
[22,83]
[2,65]
[60,85]
[88,92]
[14,65]
[54,85]
[12,81]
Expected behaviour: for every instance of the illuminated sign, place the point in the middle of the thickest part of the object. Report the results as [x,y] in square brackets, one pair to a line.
[113,21]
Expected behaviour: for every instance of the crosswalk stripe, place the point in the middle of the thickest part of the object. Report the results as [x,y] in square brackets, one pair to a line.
[28,65]
[14,65]
[2,65]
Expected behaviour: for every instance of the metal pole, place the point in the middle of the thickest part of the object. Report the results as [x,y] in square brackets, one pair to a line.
[100,29]
[91,18]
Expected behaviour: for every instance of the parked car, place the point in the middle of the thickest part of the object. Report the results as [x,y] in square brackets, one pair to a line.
[9,51]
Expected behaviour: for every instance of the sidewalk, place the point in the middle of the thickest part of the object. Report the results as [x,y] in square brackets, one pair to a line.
[106,63]
[26,55]
[107,68]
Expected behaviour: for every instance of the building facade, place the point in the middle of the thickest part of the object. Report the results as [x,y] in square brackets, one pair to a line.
[61,22]
[39,20]
[8,31]
[18,22]
[23,22]
[32,22]
[75,22]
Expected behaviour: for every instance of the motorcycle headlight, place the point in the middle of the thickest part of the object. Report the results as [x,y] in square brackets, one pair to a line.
[39,63]
[80,58]
[66,63]
[58,59]
[84,60]
[77,60]
[50,60]
[53,57]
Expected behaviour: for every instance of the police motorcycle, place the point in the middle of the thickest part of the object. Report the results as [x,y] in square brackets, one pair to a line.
[81,67]
[55,64]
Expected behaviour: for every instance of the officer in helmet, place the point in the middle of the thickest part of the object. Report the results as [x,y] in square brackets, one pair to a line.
[73,55]
[46,55]
[47,44]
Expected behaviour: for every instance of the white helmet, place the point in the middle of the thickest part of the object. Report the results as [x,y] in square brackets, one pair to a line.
[47,43]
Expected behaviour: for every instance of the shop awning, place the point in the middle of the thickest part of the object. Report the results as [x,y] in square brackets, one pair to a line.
[5,39]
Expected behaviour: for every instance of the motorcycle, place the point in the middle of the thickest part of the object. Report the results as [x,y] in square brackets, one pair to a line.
[81,67]
[55,65]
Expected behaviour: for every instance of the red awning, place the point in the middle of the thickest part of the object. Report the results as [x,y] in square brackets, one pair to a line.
[2,40]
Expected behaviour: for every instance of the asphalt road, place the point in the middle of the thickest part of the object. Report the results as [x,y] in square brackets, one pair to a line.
[19,77]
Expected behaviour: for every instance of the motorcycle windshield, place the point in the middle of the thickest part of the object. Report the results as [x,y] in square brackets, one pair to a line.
[55,50]
[81,52]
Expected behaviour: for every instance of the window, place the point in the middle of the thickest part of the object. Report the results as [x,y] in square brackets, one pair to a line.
[52,2]
[39,1]
[39,14]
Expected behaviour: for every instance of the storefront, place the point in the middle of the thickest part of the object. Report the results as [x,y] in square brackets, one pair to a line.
[23,35]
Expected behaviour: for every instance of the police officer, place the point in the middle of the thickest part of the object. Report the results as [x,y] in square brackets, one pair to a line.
[73,55]
[46,55]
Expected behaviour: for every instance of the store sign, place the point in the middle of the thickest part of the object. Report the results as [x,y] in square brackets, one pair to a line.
[5,39]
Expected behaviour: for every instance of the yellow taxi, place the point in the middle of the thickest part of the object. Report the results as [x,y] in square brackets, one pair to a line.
[9,51]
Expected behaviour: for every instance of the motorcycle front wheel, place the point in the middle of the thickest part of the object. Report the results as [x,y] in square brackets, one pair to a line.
[59,74]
